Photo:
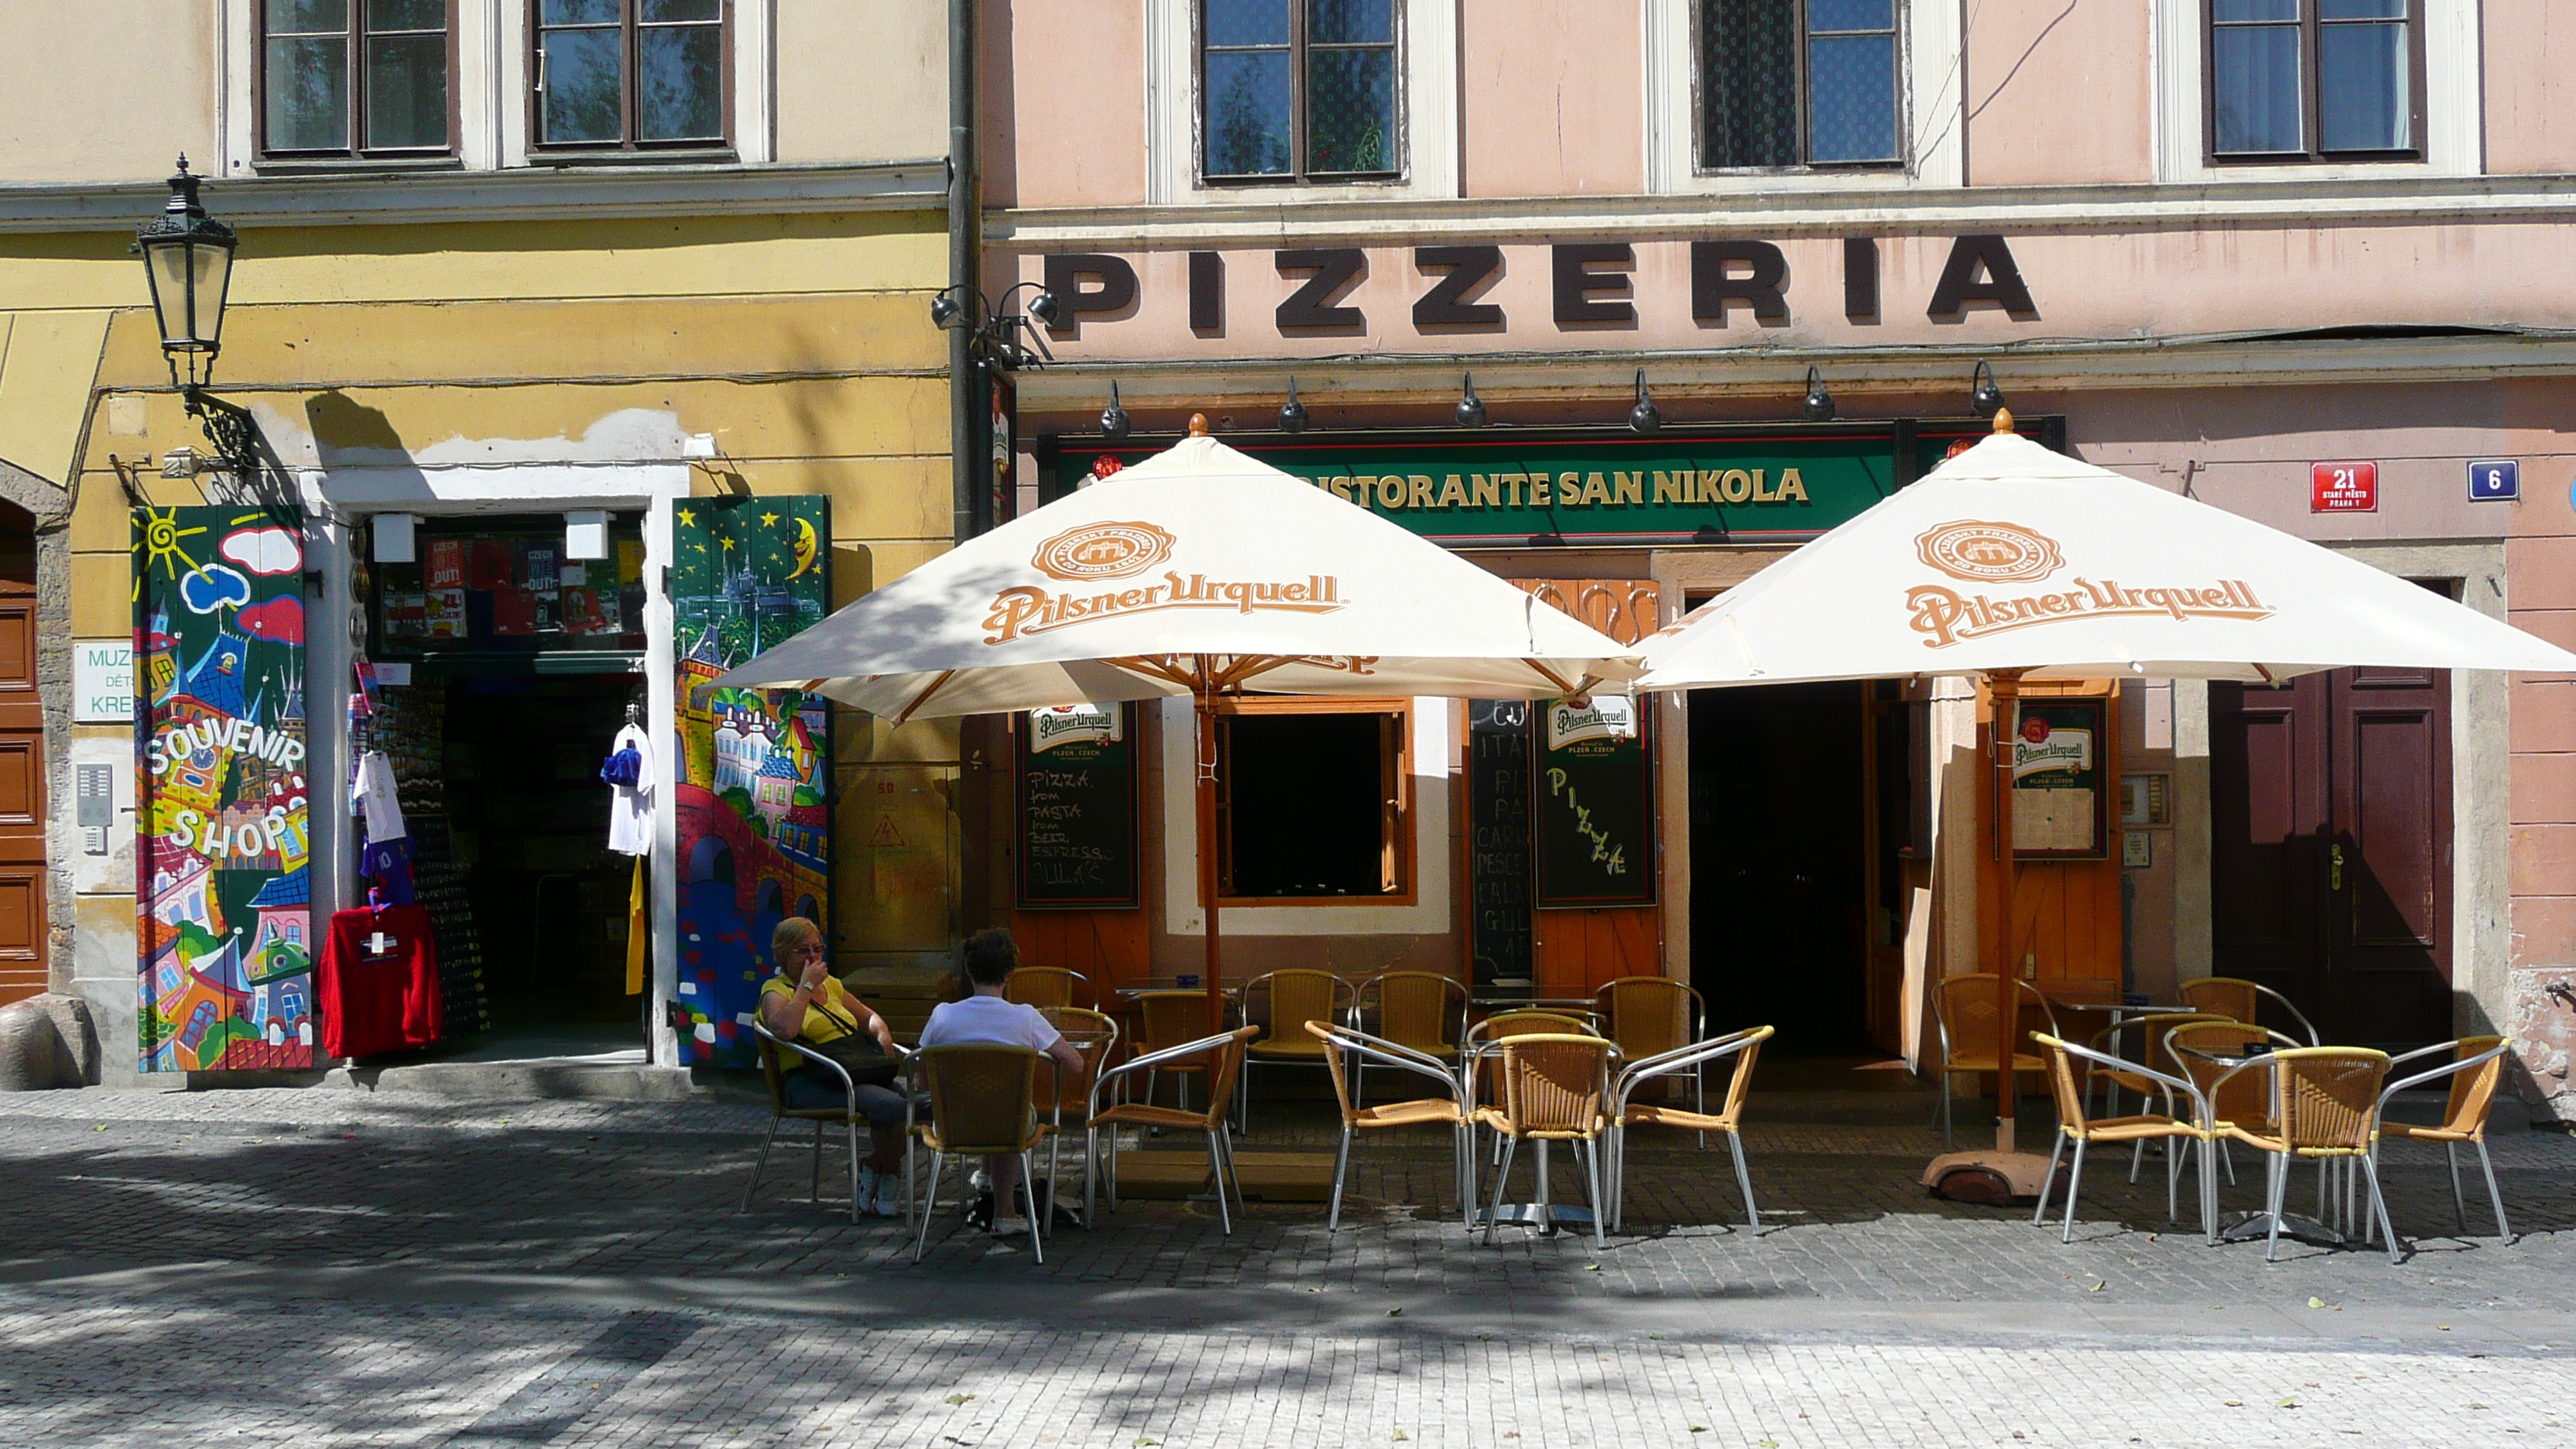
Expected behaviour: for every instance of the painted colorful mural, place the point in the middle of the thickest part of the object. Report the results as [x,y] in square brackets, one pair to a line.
[753,788]
[224,910]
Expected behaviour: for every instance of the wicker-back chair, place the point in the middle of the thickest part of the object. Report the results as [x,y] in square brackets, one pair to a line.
[1478,1047]
[1555,1087]
[1963,1016]
[2075,1124]
[2138,1046]
[983,1103]
[1288,1000]
[1225,1051]
[2325,1107]
[2476,1068]
[1648,1016]
[2238,999]
[1344,1049]
[1095,1035]
[1424,1012]
[1166,1019]
[773,1070]
[1695,1059]
[1044,986]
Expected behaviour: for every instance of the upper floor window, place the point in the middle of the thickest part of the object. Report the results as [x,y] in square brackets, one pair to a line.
[1298,90]
[353,78]
[2310,80]
[1791,83]
[629,75]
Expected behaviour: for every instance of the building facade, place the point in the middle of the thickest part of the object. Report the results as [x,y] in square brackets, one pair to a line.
[584,350]
[1624,298]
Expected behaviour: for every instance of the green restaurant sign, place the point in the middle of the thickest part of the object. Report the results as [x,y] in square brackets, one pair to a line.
[1496,488]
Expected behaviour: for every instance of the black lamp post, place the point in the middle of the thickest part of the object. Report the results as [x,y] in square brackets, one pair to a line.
[998,341]
[188,262]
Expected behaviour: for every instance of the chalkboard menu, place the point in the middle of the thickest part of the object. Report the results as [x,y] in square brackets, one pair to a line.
[1595,839]
[1498,823]
[1077,806]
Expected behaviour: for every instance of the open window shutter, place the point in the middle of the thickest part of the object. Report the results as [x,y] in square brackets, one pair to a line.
[1391,783]
[1224,803]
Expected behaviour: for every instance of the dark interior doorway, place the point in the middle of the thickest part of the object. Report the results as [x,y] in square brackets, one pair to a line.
[1778,834]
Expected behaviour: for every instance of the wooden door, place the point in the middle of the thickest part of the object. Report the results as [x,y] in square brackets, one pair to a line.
[1578,948]
[2331,848]
[22,767]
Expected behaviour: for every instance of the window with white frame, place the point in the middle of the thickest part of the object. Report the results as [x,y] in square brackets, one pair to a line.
[349,79]
[1299,90]
[1789,84]
[2315,80]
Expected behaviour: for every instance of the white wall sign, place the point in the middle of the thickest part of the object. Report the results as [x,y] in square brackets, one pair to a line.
[102,681]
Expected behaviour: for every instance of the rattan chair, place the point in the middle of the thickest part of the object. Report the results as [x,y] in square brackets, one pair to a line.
[2075,1125]
[2241,1000]
[983,1103]
[1555,1086]
[2476,1066]
[1422,1011]
[1695,1058]
[1479,1063]
[774,1071]
[1963,1015]
[2325,1107]
[1044,986]
[1165,1019]
[1094,1034]
[1344,1049]
[1648,1016]
[2205,1053]
[1225,1049]
[1289,999]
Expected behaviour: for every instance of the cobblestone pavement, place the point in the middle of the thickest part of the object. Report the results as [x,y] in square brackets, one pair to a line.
[344,1267]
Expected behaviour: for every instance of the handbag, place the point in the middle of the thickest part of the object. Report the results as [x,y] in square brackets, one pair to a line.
[855,1052]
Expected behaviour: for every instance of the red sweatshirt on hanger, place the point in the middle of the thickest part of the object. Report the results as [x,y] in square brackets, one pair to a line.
[379,981]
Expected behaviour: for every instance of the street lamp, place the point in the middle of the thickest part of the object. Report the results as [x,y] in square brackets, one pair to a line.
[188,262]
[998,341]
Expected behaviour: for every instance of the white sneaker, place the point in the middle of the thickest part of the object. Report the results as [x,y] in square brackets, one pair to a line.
[1011,1227]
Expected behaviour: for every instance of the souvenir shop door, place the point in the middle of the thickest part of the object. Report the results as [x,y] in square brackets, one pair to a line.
[751,788]
[223,918]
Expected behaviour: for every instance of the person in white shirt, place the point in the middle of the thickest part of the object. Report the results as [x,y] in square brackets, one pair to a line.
[986,1017]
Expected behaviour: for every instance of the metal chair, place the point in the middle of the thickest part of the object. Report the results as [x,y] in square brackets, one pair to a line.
[1226,1048]
[1478,1061]
[1290,998]
[2202,1053]
[2325,1107]
[1166,1019]
[2075,1125]
[1044,986]
[849,1117]
[1744,1046]
[2475,1068]
[983,1102]
[1963,1008]
[1648,1016]
[1095,1035]
[1344,1048]
[1415,1011]
[2241,1000]
[1554,1087]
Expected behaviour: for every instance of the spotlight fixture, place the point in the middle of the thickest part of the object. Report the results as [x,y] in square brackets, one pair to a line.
[1292,413]
[1114,423]
[1471,408]
[1985,397]
[1819,406]
[1045,307]
[943,311]
[1645,417]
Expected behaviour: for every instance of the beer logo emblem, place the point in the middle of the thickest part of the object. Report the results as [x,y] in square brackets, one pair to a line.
[1989,553]
[1103,551]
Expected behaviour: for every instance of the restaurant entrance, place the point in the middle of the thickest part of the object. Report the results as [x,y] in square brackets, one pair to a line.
[1779,835]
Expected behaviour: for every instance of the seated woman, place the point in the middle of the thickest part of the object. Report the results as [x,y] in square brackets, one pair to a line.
[803,1003]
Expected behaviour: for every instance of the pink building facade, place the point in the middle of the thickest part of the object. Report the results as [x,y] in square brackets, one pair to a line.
[2237,250]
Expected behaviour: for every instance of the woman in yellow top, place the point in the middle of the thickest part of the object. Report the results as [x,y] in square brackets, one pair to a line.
[804,1003]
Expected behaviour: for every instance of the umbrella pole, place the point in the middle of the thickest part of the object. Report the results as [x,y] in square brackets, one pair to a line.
[2006,699]
[1204,762]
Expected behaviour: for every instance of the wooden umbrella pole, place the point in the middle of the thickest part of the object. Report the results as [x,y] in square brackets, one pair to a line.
[1203,762]
[2006,700]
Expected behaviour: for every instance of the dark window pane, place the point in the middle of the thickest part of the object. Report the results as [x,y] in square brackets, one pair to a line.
[406,14]
[407,90]
[1337,22]
[1851,85]
[1749,83]
[1350,110]
[582,78]
[1247,114]
[1850,15]
[681,94]
[2362,9]
[662,10]
[2224,10]
[2362,88]
[308,94]
[1247,22]
[578,12]
[305,17]
[2255,83]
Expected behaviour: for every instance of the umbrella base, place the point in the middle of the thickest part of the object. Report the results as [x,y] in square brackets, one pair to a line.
[1987,1176]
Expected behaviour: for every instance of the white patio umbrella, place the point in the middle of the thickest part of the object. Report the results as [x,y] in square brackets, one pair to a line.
[1197,572]
[2012,562]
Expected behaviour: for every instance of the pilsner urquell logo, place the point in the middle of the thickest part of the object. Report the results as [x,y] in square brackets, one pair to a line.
[1120,550]
[1103,551]
[1977,551]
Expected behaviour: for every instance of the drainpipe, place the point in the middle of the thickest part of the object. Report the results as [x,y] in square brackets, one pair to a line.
[964,427]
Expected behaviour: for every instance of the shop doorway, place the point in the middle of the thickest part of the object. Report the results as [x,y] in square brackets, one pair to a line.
[22,766]
[1779,839]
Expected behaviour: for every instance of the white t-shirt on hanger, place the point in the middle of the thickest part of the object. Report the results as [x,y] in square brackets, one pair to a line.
[630,807]
[374,792]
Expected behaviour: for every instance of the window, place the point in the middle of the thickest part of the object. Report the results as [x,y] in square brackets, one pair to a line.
[355,78]
[629,75]
[1294,90]
[1313,800]
[1791,83]
[2303,80]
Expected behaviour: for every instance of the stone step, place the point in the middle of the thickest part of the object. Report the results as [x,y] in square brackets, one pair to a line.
[533,1079]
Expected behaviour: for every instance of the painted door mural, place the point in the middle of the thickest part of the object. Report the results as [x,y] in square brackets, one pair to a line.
[224,920]
[753,790]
